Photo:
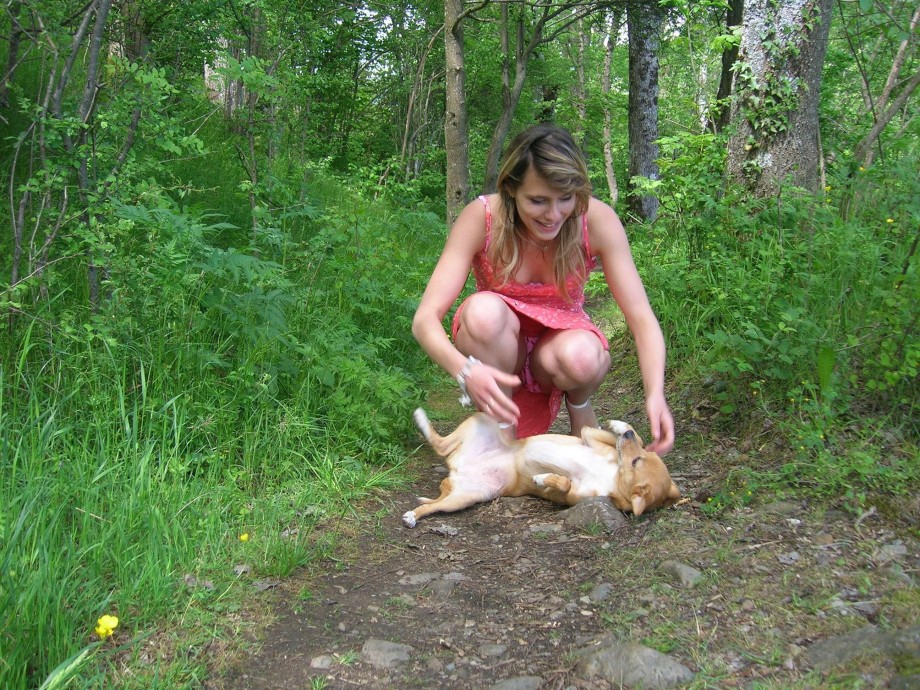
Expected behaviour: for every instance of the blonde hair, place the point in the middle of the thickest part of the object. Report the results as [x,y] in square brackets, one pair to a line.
[554,156]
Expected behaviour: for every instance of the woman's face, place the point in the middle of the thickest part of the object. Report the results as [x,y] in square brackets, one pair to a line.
[542,209]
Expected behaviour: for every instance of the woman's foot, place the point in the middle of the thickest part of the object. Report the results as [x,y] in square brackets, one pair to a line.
[580,415]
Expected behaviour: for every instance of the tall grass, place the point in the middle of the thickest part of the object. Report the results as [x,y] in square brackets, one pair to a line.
[216,394]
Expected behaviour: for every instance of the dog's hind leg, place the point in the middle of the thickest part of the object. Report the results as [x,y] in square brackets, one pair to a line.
[444,504]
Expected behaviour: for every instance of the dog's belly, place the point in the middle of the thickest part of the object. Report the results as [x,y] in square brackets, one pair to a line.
[485,472]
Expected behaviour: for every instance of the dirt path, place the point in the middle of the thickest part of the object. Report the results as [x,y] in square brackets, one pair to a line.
[504,596]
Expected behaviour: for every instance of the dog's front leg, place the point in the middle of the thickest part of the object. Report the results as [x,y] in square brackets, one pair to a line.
[553,481]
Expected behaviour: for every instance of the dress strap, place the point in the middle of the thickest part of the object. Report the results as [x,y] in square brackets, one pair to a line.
[485,202]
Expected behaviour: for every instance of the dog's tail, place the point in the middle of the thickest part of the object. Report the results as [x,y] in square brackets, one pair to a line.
[423,424]
[443,445]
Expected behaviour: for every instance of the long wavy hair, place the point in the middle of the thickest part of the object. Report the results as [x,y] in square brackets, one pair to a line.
[554,155]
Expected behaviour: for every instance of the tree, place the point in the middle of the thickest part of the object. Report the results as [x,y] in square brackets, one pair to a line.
[777,85]
[611,42]
[894,94]
[549,21]
[456,129]
[644,20]
[721,111]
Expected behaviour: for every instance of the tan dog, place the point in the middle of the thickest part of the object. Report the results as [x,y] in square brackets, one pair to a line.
[563,469]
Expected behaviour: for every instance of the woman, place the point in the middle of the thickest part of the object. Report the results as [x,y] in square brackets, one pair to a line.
[522,342]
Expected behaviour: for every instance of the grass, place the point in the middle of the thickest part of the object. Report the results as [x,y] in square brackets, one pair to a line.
[104,516]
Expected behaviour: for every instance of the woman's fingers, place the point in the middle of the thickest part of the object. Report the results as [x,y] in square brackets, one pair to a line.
[493,400]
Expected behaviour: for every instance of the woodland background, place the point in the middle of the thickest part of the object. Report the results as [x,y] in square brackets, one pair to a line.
[221,215]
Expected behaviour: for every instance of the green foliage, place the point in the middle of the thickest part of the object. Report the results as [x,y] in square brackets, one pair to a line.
[785,307]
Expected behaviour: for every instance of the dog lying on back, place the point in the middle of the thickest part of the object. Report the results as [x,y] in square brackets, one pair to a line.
[563,469]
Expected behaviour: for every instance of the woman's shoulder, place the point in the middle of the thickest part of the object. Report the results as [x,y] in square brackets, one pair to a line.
[604,226]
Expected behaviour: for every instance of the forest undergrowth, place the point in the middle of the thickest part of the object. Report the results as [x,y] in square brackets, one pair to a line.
[234,397]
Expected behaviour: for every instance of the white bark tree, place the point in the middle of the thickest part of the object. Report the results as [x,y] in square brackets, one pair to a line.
[777,85]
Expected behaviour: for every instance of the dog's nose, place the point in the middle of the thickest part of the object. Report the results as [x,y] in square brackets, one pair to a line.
[630,435]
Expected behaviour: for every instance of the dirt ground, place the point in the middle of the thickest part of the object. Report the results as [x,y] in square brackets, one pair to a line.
[502,595]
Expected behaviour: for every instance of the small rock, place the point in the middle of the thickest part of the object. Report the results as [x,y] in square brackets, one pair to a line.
[685,575]
[262,585]
[322,662]
[790,558]
[545,528]
[783,508]
[601,592]
[904,644]
[520,683]
[631,665]
[890,552]
[595,512]
[419,579]
[385,654]
[488,650]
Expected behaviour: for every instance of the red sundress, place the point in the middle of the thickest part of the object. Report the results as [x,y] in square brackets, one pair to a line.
[540,307]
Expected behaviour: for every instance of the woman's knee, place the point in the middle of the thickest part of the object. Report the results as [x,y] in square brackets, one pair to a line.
[485,317]
[577,356]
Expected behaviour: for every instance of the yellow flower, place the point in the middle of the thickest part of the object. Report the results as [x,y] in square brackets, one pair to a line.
[862,169]
[106,625]
[244,537]
[889,220]
[828,188]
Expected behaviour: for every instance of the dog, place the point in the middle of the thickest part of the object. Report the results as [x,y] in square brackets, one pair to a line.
[564,469]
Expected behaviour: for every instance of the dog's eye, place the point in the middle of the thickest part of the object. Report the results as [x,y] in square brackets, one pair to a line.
[635,461]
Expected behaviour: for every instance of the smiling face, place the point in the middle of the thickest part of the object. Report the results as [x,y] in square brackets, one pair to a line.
[541,208]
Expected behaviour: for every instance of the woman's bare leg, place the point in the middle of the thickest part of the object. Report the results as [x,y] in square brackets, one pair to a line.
[575,362]
[489,330]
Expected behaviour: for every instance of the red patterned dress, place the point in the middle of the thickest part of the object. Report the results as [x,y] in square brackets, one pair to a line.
[540,308]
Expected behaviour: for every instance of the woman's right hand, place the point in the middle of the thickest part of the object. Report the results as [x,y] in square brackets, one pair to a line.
[486,386]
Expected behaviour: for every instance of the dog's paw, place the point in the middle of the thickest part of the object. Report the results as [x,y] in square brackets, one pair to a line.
[408,518]
[618,427]
[540,479]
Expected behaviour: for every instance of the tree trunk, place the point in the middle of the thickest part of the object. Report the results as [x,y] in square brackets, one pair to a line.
[608,147]
[582,43]
[882,111]
[511,96]
[644,21]
[777,85]
[12,56]
[456,130]
[721,111]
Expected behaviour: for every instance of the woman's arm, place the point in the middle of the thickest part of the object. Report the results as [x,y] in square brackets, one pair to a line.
[466,238]
[609,242]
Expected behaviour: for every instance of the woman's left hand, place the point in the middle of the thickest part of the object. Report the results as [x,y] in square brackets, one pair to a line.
[661,423]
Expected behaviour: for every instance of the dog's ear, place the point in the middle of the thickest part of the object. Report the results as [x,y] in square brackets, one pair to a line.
[638,501]
[673,493]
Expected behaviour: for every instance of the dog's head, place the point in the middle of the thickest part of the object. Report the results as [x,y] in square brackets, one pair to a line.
[642,477]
